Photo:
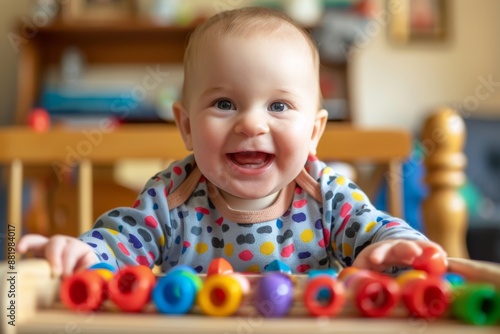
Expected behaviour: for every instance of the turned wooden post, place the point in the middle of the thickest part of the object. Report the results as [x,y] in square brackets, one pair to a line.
[444,210]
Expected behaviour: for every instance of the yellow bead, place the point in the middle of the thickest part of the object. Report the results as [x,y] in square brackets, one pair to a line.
[104,273]
[220,296]
[410,275]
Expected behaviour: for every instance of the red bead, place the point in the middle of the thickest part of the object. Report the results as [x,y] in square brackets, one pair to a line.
[335,296]
[426,298]
[432,261]
[375,294]
[39,120]
[83,291]
[130,289]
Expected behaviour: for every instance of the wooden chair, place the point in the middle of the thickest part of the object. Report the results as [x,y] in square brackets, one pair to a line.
[64,148]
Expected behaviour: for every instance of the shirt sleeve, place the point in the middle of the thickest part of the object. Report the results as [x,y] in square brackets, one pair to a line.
[135,235]
[355,222]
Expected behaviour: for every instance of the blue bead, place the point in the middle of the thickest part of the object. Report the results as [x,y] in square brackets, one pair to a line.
[454,279]
[103,265]
[279,266]
[317,272]
[176,293]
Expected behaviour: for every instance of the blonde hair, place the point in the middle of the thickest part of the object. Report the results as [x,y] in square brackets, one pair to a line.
[242,22]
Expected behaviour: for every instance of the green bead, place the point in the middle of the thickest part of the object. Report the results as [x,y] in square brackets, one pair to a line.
[477,304]
[191,276]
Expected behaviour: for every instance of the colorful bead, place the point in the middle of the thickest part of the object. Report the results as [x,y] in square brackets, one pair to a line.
[84,291]
[130,289]
[176,292]
[431,261]
[346,273]
[426,297]
[477,304]
[324,296]
[278,266]
[317,272]
[375,295]
[410,275]
[220,296]
[274,295]
[219,266]
[454,279]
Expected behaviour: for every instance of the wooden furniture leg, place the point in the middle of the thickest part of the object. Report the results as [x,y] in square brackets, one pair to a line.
[85,196]
[395,189]
[444,210]
[15,201]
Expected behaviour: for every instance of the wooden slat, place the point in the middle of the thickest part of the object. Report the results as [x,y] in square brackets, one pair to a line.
[346,143]
[69,146]
[164,141]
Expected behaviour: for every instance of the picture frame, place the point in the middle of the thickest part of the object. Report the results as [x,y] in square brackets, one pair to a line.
[417,20]
[98,10]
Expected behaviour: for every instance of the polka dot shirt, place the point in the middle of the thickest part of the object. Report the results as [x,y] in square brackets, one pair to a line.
[320,220]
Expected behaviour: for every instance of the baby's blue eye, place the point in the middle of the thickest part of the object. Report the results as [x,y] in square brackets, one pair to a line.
[225,105]
[278,106]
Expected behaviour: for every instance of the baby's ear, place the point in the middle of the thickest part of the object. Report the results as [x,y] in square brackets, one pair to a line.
[182,120]
[319,128]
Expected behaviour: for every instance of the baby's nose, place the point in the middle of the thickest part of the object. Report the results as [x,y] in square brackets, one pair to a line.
[252,123]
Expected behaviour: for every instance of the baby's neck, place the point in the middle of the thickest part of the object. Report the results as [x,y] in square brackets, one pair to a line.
[243,204]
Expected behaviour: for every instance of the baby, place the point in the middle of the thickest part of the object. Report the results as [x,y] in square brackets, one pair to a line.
[253,190]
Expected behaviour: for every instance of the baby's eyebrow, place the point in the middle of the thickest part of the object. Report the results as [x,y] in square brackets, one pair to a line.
[213,90]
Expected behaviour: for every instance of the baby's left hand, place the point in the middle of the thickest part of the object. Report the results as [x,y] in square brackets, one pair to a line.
[397,252]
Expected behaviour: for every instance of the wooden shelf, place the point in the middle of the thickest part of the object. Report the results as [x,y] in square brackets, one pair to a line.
[120,42]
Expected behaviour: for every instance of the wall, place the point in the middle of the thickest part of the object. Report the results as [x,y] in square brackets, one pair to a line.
[9,12]
[400,85]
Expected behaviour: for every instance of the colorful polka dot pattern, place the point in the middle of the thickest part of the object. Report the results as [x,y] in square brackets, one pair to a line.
[309,235]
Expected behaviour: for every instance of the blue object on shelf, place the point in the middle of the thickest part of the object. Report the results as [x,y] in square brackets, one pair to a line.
[74,102]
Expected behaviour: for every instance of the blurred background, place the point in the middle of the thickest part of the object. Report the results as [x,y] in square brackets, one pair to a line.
[390,81]
[384,64]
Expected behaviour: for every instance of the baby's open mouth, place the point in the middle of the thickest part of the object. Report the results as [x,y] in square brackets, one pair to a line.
[251,159]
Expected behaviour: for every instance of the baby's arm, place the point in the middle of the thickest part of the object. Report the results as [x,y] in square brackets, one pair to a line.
[65,254]
[366,237]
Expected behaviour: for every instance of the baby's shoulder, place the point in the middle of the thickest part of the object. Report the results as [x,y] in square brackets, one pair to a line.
[174,175]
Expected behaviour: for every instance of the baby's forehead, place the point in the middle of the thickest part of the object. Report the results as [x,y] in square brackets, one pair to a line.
[278,30]
[283,33]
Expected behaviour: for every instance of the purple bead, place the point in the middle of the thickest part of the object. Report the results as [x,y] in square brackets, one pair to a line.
[274,295]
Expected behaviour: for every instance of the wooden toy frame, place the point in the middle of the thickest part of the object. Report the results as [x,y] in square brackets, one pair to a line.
[38,310]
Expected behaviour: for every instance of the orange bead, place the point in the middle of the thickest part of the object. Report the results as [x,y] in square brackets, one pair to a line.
[346,272]
[219,266]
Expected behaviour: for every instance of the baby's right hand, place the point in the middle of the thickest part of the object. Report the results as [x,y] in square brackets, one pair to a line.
[65,254]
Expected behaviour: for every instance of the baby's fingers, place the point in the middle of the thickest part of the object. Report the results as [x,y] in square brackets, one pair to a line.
[54,253]
[34,243]
[402,252]
[77,255]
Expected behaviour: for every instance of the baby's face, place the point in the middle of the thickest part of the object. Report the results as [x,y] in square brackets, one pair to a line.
[253,107]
